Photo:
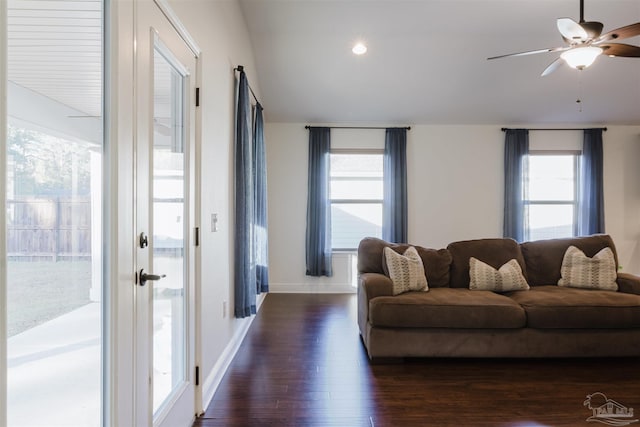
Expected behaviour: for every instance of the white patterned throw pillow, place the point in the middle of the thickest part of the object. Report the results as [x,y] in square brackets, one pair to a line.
[580,271]
[406,271]
[509,277]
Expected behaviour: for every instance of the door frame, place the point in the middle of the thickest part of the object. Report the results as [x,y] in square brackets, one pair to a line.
[153,30]
[118,213]
[120,173]
[196,169]
[3,219]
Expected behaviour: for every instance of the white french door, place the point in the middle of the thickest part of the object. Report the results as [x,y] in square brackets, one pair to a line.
[53,299]
[67,292]
[165,208]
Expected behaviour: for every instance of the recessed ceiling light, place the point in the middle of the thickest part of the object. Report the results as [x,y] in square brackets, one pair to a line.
[359,49]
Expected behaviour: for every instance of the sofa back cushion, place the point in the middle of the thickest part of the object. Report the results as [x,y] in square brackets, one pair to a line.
[544,257]
[436,261]
[495,252]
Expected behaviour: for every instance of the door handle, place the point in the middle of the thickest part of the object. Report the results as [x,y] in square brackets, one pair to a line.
[143,277]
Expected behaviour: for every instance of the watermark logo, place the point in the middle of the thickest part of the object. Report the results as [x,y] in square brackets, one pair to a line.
[608,411]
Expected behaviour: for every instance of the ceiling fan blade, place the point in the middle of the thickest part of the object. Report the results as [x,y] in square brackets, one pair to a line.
[592,28]
[531,52]
[571,30]
[620,33]
[552,67]
[621,49]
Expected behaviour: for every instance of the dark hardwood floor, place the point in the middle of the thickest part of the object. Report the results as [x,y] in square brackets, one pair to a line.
[302,364]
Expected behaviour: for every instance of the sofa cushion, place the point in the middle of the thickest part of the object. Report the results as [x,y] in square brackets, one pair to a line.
[580,271]
[436,266]
[405,271]
[544,257]
[483,277]
[436,261]
[495,252]
[446,308]
[550,307]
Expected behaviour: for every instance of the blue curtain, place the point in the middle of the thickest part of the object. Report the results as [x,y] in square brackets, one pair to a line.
[394,205]
[591,196]
[260,203]
[516,147]
[318,239]
[245,269]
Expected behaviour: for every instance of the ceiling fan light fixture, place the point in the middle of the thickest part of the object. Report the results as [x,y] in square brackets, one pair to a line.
[581,57]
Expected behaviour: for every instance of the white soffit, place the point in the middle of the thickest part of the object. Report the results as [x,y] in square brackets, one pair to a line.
[55,49]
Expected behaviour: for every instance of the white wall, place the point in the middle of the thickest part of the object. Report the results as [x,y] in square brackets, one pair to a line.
[455,185]
[622,193]
[220,30]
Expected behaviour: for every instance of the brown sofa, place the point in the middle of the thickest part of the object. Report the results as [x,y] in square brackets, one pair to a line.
[452,321]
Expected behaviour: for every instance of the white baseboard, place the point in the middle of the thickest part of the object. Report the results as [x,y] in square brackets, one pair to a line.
[306,288]
[213,380]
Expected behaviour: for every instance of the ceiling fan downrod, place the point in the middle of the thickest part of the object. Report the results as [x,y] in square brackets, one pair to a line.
[582,11]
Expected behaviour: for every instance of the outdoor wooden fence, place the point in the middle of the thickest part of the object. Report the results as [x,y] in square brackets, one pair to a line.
[53,228]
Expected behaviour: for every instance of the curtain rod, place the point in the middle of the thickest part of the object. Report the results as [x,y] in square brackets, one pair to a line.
[360,127]
[240,68]
[604,129]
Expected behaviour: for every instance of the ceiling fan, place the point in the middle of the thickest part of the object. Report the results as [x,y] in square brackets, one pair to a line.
[586,42]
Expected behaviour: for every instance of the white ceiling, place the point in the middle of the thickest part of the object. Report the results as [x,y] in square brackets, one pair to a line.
[427,64]
[55,49]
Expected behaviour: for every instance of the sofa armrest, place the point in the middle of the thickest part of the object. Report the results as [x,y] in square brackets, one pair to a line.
[628,283]
[370,285]
[375,285]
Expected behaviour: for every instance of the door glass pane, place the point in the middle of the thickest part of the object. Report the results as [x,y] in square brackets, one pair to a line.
[168,214]
[54,204]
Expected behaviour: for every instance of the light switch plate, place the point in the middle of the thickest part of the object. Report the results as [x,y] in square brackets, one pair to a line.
[214,222]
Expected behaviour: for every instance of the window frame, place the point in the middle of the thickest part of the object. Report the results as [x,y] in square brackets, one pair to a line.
[575,202]
[354,151]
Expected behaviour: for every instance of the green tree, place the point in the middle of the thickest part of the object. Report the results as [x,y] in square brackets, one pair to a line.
[45,165]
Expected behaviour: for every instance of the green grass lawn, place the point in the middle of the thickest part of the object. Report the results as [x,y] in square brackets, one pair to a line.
[39,291]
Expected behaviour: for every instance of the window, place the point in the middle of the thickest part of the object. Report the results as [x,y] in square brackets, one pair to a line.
[551,200]
[356,196]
